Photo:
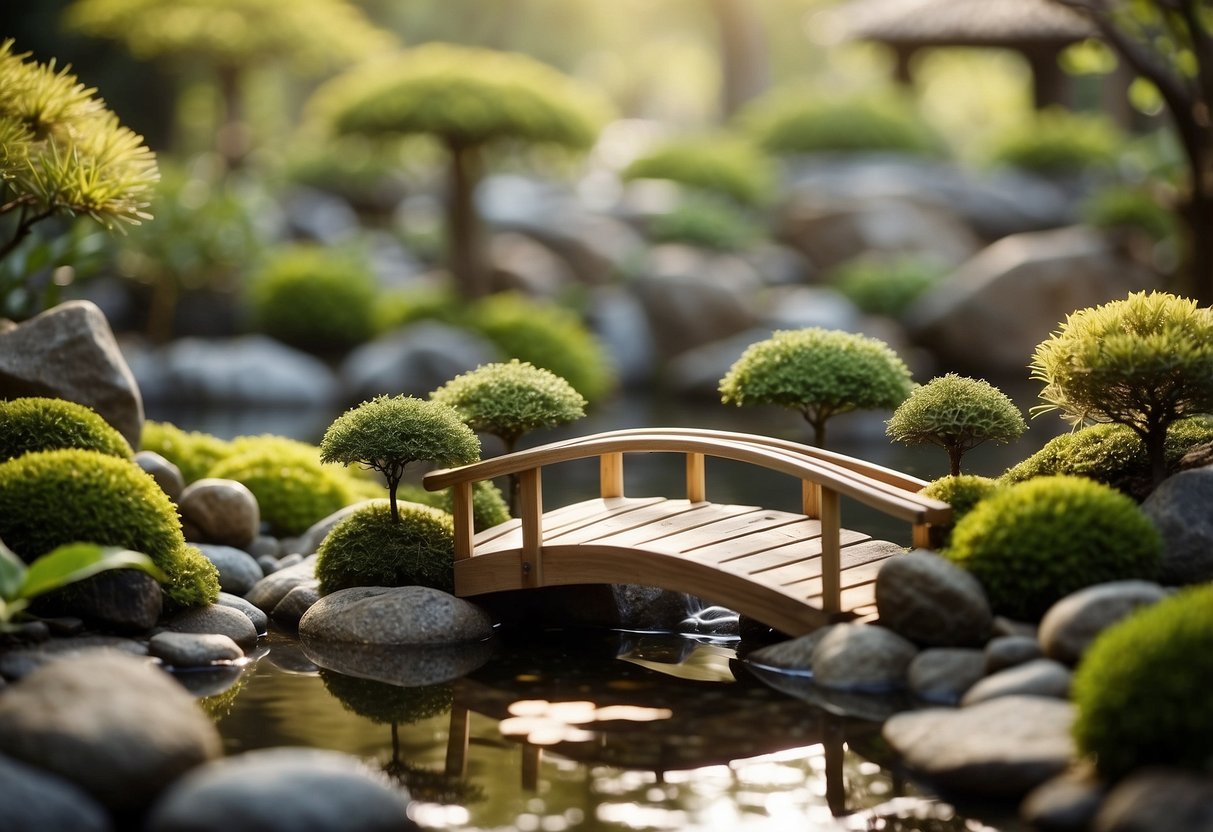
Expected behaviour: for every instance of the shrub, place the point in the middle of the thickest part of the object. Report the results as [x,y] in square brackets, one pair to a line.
[957,414]
[1129,208]
[548,336]
[401,308]
[1141,690]
[1036,542]
[314,299]
[717,165]
[372,548]
[706,223]
[39,424]
[963,492]
[194,452]
[52,498]
[818,372]
[796,121]
[387,434]
[883,286]
[1059,141]
[1111,454]
[293,490]
[488,503]
[1144,361]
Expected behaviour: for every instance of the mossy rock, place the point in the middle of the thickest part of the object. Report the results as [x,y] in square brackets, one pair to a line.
[707,223]
[1141,690]
[792,121]
[886,285]
[368,548]
[193,452]
[1036,542]
[1111,454]
[293,491]
[42,424]
[718,165]
[488,503]
[51,498]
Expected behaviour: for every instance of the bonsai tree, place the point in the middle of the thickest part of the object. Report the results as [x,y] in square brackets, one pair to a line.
[1144,362]
[957,414]
[309,36]
[820,373]
[466,100]
[62,154]
[386,434]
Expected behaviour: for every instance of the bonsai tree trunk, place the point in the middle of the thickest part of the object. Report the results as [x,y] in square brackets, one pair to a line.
[466,237]
[743,70]
[955,452]
[232,135]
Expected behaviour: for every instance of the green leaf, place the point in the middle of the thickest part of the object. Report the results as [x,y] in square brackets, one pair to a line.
[12,573]
[77,561]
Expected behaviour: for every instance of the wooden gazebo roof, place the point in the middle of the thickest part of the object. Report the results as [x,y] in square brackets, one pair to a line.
[922,23]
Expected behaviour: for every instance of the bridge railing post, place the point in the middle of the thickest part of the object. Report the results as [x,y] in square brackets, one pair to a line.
[831,551]
[696,485]
[810,498]
[610,475]
[530,511]
[461,510]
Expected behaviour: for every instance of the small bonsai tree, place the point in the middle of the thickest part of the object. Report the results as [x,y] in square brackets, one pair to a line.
[957,414]
[1141,689]
[39,424]
[467,100]
[62,154]
[388,433]
[1034,543]
[820,373]
[1144,362]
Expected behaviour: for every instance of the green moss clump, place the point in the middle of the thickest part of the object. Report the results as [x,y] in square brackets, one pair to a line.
[293,490]
[548,336]
[820,373]
[368,548]
[1058,141]
[488,504]
[40,424]
[314,298]
[962,492]
[1141,690]
[1034,543]
[194,452]
[718,165]
[1111,454]
[403,307]
[1125,208]
[957,414]
[884,286]
[386,704]
[798,121]
[707,223]
[52,498]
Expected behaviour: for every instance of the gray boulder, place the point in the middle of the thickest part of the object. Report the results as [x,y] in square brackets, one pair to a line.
[36,801]
[1156,800]
[1179,507]
[271,589]
[166,474]
[219,511]
[1040,677]
[862,658]
[520,263]
[403,665]
[259,619]
[1000,748]
[1065,803]
[125,600]
[1042,275]
[215,619]
[188,650]
[941,675]
[1009,651]
[930,600]
[19,663]
[282,790]
[395,615]
[296,603]
[1070,625]
[238,570]
[413,360]
[114,725]
[795,654]
[619,320]
[69,352]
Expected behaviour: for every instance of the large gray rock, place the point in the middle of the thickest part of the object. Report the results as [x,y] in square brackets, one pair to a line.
[1065,803]
[295,604]
[930,600]
[618,318]
[402,665]
[1157,800]
[1040,677]
[862,658]
[999,748]
[1009,651]
[238,570]
[19,663]
[520,263]
[941,675]
[69,352]
[189,650]
[413,360]
[124,600]
[1070,625]
[795,654]
[259,619]
[219,511]
[282,790]
[250,370]
[1179,507]
[114,725]
[215,619]
[1042,276]
[165,473]
[395,615]
[271,589]
[36,801]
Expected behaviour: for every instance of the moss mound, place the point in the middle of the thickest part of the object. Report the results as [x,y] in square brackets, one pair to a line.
[798,121]
[1111,454]
[1059,142]
[718,165]
[369,549]
[962,492]
[293,489]
[1036,542]
[884,285]
[1142,688]
[488,503]
[708,223]
[195,453]
[50,498]
[40,424]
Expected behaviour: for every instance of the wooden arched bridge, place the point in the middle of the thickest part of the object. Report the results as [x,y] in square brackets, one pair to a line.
[791,571]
